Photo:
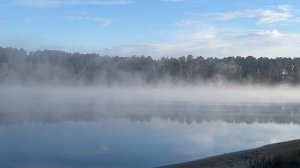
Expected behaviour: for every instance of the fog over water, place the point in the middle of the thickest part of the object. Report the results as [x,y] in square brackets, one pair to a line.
[58,104]
[140,126]
[113,84]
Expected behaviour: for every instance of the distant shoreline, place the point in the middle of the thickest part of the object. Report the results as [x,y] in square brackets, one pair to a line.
[54,67]
[242,159]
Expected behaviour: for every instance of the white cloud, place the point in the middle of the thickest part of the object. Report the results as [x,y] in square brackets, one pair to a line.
[283,13]
[203,43]
[286,8]
[217,43]
[269,16]
[100,20]
[265,43]
[259,33]
[188,22]
[53,3]
[271,33]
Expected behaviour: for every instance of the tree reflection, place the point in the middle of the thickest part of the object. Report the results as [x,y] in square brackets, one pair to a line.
[144,112]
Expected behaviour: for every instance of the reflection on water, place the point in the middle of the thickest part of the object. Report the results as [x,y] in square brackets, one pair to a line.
[59,130]
[57,112]
[123,143]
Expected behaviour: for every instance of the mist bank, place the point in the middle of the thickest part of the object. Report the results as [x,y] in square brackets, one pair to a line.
[50,67]
[188,104]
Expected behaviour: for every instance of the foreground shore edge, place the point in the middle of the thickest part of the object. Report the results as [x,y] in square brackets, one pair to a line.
[243,158]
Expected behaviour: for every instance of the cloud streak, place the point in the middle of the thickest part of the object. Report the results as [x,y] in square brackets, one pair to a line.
[265,16]
[188,22]
[100,20]
[56,3]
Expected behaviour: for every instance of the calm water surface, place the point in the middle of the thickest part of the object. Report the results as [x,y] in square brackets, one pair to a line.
[41,129]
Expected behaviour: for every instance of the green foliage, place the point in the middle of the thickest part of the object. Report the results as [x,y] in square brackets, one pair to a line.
[50,66]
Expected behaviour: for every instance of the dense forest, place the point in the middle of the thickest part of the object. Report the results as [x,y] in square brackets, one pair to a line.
[58,67]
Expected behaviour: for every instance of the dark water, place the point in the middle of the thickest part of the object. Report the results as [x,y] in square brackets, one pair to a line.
[67,129]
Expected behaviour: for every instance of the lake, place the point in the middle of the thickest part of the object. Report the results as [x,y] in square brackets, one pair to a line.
[138,127]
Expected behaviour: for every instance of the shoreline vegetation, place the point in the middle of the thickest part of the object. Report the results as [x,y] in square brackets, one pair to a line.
[277,155]
[51,67]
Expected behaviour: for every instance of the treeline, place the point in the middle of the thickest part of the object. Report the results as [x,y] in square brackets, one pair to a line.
[55,67]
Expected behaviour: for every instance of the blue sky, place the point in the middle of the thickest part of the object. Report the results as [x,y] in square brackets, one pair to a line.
[210,28]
